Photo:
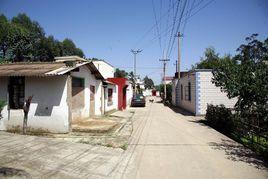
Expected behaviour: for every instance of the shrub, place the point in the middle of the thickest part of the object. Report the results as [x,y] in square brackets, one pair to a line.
[220,118]
[2,105]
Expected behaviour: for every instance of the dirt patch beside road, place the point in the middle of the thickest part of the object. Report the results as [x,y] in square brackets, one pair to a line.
[111,131]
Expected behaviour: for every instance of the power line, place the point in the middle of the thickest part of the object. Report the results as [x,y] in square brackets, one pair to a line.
[169,28]
[186,19]
[178,27]
[153,26]
[157,28]
[173,24]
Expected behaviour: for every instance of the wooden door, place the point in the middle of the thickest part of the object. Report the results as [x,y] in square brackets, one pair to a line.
[92,100]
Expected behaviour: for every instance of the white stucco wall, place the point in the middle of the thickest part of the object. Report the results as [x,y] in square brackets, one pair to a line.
[106,70]
[48,110]
[129,94]
[114,104]
[208,93]
[175,92]
[90,79]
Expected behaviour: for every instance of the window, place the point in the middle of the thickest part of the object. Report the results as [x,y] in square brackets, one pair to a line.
[181,92]
[78,82]
[189,91]
[110,96]
[16,92]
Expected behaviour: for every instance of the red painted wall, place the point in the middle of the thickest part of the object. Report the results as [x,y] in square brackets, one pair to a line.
[122,96]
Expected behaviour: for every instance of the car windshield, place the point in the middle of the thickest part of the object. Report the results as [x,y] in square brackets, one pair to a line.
[138,96]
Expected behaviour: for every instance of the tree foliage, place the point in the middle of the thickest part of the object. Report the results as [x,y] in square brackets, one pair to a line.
[148,82]
[23,39]
[245,77]
[120,73]
[210,60]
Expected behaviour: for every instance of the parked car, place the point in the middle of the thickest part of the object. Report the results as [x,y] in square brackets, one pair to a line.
[138,100]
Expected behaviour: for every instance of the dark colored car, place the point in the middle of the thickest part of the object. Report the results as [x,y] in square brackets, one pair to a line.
[138,100]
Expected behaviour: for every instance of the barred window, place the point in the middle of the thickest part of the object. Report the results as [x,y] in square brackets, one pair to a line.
[16,92]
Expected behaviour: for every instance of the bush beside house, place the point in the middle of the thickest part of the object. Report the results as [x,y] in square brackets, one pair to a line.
[220,118]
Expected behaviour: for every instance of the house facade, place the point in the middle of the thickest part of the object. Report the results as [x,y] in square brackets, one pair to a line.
[63,91]
[110,89]
[195,90]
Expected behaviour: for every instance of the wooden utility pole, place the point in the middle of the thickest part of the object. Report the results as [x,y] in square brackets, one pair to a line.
[164,70]
[135,52]
[179,35]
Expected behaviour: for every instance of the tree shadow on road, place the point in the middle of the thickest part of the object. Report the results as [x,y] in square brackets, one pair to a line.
[234,150]
[13,172]
[237,152]
[181,111]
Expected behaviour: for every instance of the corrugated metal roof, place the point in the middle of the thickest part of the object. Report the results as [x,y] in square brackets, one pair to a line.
[29,69]
[44,69]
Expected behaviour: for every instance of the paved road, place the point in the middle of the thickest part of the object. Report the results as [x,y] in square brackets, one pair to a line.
[39,157]
[166,144]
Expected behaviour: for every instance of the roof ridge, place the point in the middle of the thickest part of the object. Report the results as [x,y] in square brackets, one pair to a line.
[29,63]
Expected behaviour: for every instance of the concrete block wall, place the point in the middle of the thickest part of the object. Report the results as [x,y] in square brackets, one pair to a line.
[184,103]
[208,93]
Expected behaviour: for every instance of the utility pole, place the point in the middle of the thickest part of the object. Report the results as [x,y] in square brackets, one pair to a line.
[179,35]
[176,64]
[135,52]
[164,70]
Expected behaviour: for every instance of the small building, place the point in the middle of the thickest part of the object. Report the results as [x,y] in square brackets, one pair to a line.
[111,89]
[195,90]
[106,69]
[68,89]
[123,85]
[168,79]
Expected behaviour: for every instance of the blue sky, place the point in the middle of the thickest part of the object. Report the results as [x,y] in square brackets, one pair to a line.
[109,29]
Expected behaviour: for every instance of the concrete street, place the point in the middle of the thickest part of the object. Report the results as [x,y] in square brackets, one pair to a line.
[164,144]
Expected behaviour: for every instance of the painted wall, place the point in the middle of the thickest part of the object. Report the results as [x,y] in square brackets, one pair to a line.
[109,106]
[89,79]
[183,102]
[106,70]
[129,94]
[48,110]
[208,93]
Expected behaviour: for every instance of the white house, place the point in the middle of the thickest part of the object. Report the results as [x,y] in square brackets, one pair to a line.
[106,69]
[63,91]
[111,89]
[195,90]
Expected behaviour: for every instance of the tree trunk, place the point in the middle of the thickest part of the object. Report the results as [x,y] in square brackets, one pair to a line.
[24,128]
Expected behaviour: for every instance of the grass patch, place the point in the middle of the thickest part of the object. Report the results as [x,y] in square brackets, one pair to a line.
[124,146]
[30,131]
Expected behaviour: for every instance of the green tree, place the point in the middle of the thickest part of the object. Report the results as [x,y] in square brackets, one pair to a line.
[24,39]
[131,77]
[246,77]
[160,88]
[209,61]
[148,82]
[69,48]
[35,32]
[4,35]
[120,73]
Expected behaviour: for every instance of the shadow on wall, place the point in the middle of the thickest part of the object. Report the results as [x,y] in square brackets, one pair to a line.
[48,95]
[237,152]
